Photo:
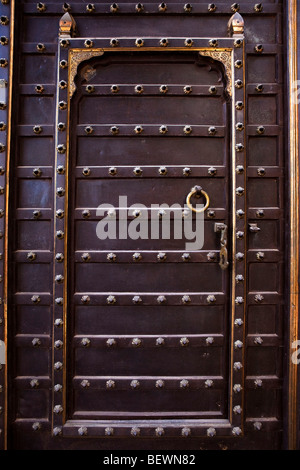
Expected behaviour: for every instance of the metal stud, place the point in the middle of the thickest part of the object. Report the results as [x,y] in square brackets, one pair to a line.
[258,298]
[212,171]
[235,7]
[211,7]
[237,410]
[37,129]
[186,299]
[238,83]
[186,256]
[61,126]
[112,171]
[136,256]
[135,432]
[238,42]
[162,7]
[66,7]
[58,344]
[82,431]
[208,383]
[237,366]
[114,7]
[139,42]
[63,64]
[110,384]
[31,256]
[85,342]
[240,214]
[163,129]
[111,342]
[159,384]
[212,90]
[59,279]
[111,300]
[240,235]
[85,299]
[258,383]
[260,256]
[164,42]
[186,432]
[59,257]
[60,192]
[58,323]
[90,88]
[34,383]
[58,366]
[4,20]
[139,7]
[188,8]
[135,384]
[213,42]
[184,384]
[187,89]
[237,388]
[238,64]
[186,171]
[159,432]
[136,342]
[139,89]
[187,130]
[163,88]
[88,130]
[188,42]
[210,299]
[59,301]
[162,171]
[138,129]
[60,170]
[86,171]
[239,105]
[209,340]
[184,342]
[161,256]
[109,431]
[114,42]
[137,299]
[36,342]
[161,299]
[64,43]
[63,84]
[61,148]
[258,8]
[114,89]
[257,425]
[57,431]
[211,214]
[211,256]
[138,171]
[260,213]
[62,105]
[90,8]
[88,43]
[258,340]
[259,48]
[211,432]
[36,426]
[2,126]
[236,431]
[240,191]
[238,344]
[160,341]
[260,130]
[212,130]
[239,147]
[259,88]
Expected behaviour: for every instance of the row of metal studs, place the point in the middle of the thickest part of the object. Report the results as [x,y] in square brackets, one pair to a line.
[139,7]
[4,62]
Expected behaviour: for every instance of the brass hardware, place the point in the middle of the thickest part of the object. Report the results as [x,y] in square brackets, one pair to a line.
[34,383]
[161,256]
[37,129]
[210,340]
[188,42]
[239,147]
[240,256]
[258,383]
[58,344]
[109,431]
[64,43]
[187,89]
[85,342]
[88,43]
[235,7]
[259,88]
[60,169]
[36,426]
[66,7]
[4,20]
[58,366]
[60,234]
[239,105]
[138,129]
[236,431]
[136,256]
[258,7]
[61,148]
[36,214]
[35,299]
[211,256]
[110,384]
[111,300]
[184,342]
[161,299]
[85,299]
[197,191]
[237,388]
[210,299]
[3,62]
[86,257]
[136,342]
[90,88]
[59,301]
[240,213]
[238,64]
[114,130]
[240,235]
[163,129]
[86,171]
[160,342]
[260,213]
[222,228]
[187,130]
[63,64]
[2,105]
[212,130]
[3,40]
[211,7]
[258,340]
[212,171]
[31,256]
[208,383]
[212,90]
[111,342]
[188,8]
[237,366]
[36,172]
[135,432]
[162,7]
[135,384]
[238,83]
[57,388]
[260,130]
[163,42]
[240,191]
[186,171]
[238,42]
[138,171]
[63,84]
[186,257]
[163,88]
[186,299]
[111,257]
[159,432]
[239,126]
[184,383]
[237,410]
[211,214]
[139,42]
[114,42]
[112,171]
[62,105]
[254,228]
[114,7]
[114,88]
[58,409]
[90,8]
[258,298]
[239,300]
[163,170]
[40,47]
[259,48]
[89,130]
[236,23]
[139,89]
[260,256]
[137,299]
[59,278]
[238,322]
[60,192]
[211,432]
[36,342]
[61,126]
[139,7]
[213,42]
[159,383]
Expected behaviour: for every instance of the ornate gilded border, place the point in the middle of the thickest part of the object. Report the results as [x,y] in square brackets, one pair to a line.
[72,52]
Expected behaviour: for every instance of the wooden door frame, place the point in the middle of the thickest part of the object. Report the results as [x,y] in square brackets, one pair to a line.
[293,379]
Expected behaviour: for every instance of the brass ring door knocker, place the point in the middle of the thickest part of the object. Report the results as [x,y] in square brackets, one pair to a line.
[197,191]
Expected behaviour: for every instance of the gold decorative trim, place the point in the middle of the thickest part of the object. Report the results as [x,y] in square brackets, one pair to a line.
[294,224]
[75,59]
[226,58]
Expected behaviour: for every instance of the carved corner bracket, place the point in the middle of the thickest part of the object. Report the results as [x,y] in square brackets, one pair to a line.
[226,58]
[76,57]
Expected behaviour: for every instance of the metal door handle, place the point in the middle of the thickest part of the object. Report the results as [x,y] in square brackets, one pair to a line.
[222,228]
[197,191]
